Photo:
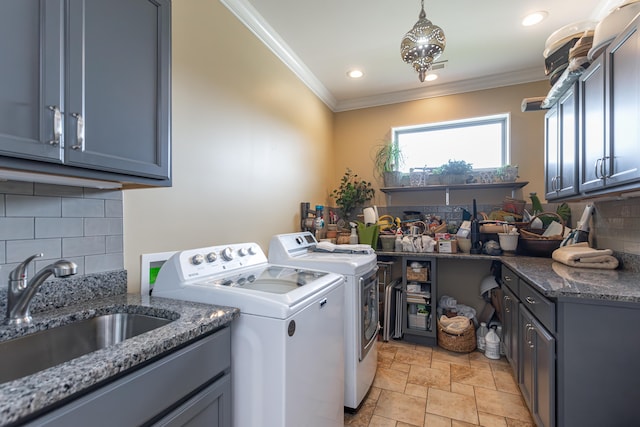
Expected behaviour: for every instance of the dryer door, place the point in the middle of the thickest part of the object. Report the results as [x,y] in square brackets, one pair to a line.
[369,316]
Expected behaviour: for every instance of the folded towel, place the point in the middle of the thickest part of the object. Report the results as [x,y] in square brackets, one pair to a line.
[349,249]
[454,325]
[572,277]
[581,255]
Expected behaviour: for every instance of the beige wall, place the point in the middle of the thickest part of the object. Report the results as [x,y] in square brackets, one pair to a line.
[358,132]
[250,142]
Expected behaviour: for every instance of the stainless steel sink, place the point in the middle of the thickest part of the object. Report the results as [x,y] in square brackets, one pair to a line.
[41,350]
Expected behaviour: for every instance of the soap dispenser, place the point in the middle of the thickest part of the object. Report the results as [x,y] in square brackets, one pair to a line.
[353,238]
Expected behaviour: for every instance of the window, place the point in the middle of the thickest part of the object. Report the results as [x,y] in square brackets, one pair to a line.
[482,141]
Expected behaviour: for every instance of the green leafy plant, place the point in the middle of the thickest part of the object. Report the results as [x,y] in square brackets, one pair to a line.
[352,193]
[388,158]
[454,167]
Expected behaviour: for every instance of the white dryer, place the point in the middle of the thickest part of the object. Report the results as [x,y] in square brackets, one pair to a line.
[287,366]
[361,315]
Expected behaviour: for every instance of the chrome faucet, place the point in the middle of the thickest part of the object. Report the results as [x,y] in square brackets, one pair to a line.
[21,291]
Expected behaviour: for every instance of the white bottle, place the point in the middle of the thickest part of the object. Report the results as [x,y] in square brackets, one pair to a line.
[480,336]
[353,238]
[500,335]
[492,350]
[398,242]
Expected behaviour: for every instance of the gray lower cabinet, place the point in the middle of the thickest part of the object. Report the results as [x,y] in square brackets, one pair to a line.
[536,371]
[419,306]
[510,309]
[190,387]
[86,88]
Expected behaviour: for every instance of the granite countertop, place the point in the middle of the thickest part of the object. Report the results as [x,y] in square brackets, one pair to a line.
[556,280]
[31,394]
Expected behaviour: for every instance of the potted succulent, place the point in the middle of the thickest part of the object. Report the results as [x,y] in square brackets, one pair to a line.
[454,172]
[507,173]
[387,162]
[352,193]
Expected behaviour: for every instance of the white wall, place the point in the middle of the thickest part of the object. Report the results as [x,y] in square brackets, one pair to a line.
[250,142]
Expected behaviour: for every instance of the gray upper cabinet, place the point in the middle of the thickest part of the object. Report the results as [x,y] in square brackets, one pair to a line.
[31,45]
[609,112]
[105,66]
[561,134]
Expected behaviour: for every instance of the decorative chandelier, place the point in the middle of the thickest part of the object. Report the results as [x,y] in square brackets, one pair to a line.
[423,44]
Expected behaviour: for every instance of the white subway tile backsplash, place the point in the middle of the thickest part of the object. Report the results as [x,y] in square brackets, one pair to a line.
[59,227]
[16,228]
[57,190]
[19,250]
[94,193]
[114,244]
[77,246]
[82,208]
[102,226]
[113,208]
[16,187]
[104,262]
[33,206]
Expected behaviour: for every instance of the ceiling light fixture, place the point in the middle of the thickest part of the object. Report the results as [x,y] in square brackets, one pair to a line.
[423,44]
[355,74]
[534,18]
[430,77]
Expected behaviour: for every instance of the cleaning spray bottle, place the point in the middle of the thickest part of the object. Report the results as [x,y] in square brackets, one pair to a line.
[398,242]
[353,238]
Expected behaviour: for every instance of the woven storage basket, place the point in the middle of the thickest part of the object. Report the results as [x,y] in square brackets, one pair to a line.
[460,343]
[418,274]
[532,243]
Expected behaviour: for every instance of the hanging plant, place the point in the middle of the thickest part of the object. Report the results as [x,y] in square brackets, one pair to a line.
[352,193]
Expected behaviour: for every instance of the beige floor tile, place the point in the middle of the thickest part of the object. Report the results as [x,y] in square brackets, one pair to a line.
[456,423]
[362,417]
[386,355]
[431,420]
[385,363]
[460,388]
[500,403]
[389,379]
[413,357]
[401,424]
[472,376]
[416,390]
[399,366]
[450,356]
[480,364]
[439,364]
[505,382]
[378,421]
[501,364]
[518,423]
[429,377]
[452,405]
[400,407]
[490,420]
[373,394]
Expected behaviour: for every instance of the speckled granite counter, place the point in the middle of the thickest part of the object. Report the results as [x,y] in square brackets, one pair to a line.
[31,394]
[556,280]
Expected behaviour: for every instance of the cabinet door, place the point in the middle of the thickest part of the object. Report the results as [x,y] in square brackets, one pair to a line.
[31,39]
[537,374]
[568,161]
[118,86]
[623,63]
[510,327]
[551,150]
[593,139]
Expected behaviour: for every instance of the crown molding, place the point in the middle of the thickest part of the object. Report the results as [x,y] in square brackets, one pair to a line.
[250,17]
[453,88]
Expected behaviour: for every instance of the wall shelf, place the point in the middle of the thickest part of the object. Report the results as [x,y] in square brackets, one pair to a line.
[447,189]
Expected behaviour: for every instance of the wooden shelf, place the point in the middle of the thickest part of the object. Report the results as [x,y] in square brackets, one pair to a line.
[389,191]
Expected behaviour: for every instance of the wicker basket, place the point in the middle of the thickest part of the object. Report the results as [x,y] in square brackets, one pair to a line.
[460,343]
[418,274]
[532,243]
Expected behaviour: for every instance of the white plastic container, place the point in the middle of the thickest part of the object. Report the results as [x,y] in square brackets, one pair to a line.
[492,345]
[480,336]
[508,242]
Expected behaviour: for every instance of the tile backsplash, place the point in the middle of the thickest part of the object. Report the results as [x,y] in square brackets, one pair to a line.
[83,225]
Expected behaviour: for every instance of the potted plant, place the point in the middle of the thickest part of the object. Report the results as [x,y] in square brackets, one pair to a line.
[507,173]
[387,162]
[454,172]
[352,193]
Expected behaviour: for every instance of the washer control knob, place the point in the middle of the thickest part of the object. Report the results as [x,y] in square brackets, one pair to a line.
[252,250]
[243,251]
[299,240]
[227,254]
[197,259]
[211,257]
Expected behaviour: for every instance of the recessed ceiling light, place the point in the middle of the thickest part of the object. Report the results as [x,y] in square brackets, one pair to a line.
[430,77]
[355,74]
[534,18]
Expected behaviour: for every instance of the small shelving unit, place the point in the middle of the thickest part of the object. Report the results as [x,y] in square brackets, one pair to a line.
[419,305]
[447,189]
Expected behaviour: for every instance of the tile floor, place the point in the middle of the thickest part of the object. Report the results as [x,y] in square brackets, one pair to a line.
[433,387]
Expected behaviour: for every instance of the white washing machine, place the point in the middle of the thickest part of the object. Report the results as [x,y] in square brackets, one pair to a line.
[287,363]
[361,303]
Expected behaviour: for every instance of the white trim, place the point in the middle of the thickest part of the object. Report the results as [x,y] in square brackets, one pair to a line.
[145,266]
[267,35]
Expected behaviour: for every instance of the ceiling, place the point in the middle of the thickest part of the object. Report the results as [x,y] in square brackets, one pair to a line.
[486,45]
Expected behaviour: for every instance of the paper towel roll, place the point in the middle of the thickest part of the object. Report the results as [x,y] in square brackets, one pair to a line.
[369,216]
[532,104]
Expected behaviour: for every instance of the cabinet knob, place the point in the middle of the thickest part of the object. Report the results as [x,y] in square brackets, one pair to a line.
[79,132]
[57,125]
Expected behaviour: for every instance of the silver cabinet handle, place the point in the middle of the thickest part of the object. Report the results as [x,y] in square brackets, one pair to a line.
[507,301]
[603,168]
[530,330]
[598,176]
[530,300]
[57,125]
[79,132]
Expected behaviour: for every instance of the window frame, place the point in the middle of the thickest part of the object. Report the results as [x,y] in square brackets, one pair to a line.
[501,118]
